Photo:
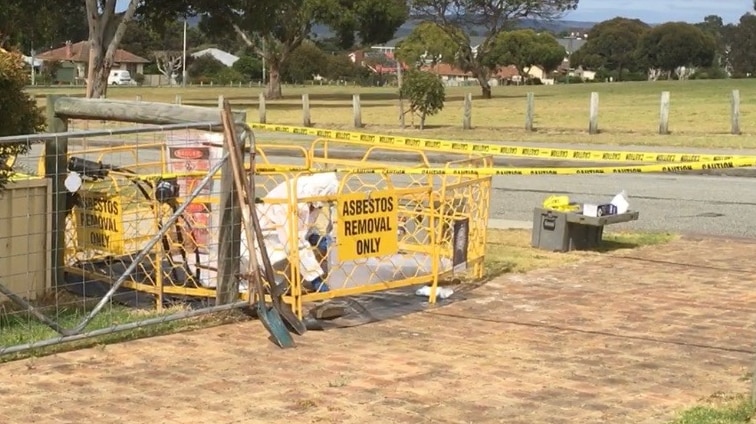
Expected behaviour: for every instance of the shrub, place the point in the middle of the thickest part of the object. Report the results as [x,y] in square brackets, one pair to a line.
[21,113]
[425,92]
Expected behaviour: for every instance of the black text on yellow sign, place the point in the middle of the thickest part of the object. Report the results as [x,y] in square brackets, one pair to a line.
[367,225]
[98,223]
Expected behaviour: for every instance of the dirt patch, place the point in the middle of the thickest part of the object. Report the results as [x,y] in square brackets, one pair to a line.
[633,336]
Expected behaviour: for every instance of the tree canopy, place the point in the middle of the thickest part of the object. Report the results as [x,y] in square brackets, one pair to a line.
[612,44]
[274,29]
[676,44]
[455,18]
[741,42]
[40,24]
[427,44]
[524,49]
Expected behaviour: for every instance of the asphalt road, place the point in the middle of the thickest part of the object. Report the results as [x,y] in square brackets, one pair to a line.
[694,204]
[690,204]
[712,205]
[707,202]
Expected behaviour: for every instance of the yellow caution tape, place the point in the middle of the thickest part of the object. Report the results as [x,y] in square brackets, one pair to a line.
[495,149]
[636,169]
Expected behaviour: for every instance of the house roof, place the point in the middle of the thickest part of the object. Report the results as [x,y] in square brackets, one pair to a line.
[451,71]
[221,56]
[79,52]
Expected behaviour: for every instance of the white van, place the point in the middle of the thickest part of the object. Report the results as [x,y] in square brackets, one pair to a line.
[119,77]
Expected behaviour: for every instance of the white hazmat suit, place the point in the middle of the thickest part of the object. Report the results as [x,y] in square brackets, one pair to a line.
[276,227]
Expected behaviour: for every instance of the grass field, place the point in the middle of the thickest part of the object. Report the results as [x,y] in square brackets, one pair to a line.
[628,112]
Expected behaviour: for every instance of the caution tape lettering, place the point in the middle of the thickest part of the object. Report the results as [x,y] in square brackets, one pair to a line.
[497,149]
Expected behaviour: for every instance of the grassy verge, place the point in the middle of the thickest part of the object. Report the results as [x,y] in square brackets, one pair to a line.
[629,112]
[719,409]
[510,250]
[507,251]
[17,327]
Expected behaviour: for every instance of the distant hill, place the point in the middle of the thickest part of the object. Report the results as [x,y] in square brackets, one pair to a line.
[556,26]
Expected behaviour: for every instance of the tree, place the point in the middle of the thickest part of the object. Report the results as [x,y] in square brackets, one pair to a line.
[340,67]
[36,24]
[714,26]
[456,17]
[673,45]
[427,44]
[205,67]
[106,29]
[26,116]
[249,66]
[611,44]
[742,53]
[274,29]
[305,62]
[524,49]
[425,92]
[169,63]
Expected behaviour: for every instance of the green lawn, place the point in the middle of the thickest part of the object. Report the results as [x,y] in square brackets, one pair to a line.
[719,409]
[628,112]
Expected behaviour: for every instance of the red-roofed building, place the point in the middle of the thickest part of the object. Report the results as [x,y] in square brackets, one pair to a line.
[77,54]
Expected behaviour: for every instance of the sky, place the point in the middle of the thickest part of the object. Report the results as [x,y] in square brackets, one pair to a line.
[658,11]
[650,11]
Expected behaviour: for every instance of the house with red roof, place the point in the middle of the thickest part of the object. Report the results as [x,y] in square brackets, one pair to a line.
[76,56]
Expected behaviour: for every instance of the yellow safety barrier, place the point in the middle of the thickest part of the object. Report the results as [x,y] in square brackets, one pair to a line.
[423,228]
[467,147]
[418,229]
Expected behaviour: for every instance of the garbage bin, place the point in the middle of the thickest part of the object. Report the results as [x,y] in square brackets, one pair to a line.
[565,231]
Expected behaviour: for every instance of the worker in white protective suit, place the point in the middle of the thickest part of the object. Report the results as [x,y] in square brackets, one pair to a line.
[275,225]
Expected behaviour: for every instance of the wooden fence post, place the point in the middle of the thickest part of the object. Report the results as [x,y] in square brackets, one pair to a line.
[735,112]
[261,108]
[467,112]
[229,233]
[306,110]
[356,111]
[56,169]
[530,112]
[594,111]
[664,113]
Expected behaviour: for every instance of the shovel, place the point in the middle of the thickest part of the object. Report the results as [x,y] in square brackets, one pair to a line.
[276,290]
[270,318]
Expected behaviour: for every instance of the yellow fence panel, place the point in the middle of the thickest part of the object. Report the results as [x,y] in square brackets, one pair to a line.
[373,231]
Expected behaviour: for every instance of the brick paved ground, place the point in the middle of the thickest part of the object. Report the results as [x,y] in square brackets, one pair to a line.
[615,339]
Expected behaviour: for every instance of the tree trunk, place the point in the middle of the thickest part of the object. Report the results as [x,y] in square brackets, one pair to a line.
[273,87]
[95,57]
[422,121]
[105,34]
[485,87]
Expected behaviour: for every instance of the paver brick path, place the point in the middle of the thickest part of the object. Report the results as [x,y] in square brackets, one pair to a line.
[612,339]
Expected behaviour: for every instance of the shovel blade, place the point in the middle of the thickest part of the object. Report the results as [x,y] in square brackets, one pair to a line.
[290,318]
[272,322]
